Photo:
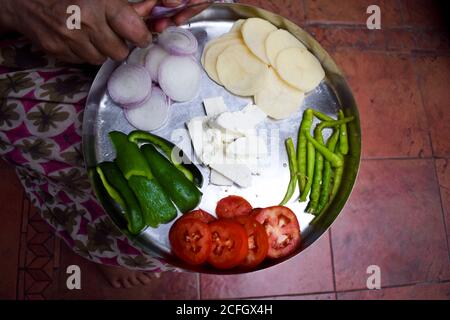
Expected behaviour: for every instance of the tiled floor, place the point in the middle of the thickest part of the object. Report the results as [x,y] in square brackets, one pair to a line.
[397,218]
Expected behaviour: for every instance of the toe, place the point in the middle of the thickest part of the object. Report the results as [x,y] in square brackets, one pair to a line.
[116,284]
[134,280]
[126,283]
[143,278]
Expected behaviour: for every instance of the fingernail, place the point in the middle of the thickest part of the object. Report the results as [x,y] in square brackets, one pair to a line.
[173,2]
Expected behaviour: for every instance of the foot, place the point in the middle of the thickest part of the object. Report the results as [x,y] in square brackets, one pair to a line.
[123,278]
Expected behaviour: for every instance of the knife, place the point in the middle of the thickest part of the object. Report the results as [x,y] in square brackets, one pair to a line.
[160,12]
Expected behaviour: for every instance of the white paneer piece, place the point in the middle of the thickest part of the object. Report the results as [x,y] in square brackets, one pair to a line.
[218,179]
[251,146]
[213,147]
[240,122]
[214,106]
[196,129]
[238,173]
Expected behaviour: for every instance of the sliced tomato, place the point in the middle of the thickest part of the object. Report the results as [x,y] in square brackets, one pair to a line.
[233,206]
[229,244]
[255,211]
[191,240]
[199,214]
[258,242]
[282,228]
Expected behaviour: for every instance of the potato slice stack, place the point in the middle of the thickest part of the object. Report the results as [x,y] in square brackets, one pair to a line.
[257,59]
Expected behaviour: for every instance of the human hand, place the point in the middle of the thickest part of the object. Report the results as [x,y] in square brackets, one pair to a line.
[105,26]
[179,18]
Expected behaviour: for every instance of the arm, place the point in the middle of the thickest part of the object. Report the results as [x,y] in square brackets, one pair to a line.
[5,14]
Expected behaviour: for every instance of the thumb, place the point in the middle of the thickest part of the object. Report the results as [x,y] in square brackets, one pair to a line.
[144,8]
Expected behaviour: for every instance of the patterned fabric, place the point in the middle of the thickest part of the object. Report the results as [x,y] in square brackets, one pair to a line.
[41,112]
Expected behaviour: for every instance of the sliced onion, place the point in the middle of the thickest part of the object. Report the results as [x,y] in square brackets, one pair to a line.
[178,41]
[137,56]
[179,77]
[152,114]
[155,56]
[129,84]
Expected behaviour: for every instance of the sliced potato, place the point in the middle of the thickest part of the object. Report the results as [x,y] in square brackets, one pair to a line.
[241,72]
[300,68]
[255,32]
[237,26]
[279,40]
[211,55]
[278,99]
[226,36]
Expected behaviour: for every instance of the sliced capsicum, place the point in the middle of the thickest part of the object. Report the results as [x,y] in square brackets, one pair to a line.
[183,192]
[128,157]
[155,205]
[118,188]
[170,150]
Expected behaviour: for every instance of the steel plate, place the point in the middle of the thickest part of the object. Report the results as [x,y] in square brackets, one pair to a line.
[102,115]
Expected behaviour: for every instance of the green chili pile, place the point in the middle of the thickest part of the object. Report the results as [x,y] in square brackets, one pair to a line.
[317,165]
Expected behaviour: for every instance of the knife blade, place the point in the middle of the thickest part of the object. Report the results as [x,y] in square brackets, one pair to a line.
[160,12]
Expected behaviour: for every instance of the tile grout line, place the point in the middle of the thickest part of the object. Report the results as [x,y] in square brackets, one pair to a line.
[333,270]
[20,245]
[436,175]
[305,11]
[442,207]
[396,158]
[199,290]
[412,284]
[403,285]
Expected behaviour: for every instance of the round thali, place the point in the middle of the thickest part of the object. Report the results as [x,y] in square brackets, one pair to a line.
[102,115]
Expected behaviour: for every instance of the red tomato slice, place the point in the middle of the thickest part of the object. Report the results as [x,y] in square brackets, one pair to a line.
[233,206]
[229,244]
[199,214]
[191,240]
[255,211]
[258,242]
[282,228]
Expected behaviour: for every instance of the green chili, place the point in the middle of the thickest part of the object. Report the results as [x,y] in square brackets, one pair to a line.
[337,179]
[293,171]
[322,116]
[327,173]
[317,180]
[343,141]
[305,126]
[310,162]
[335,160]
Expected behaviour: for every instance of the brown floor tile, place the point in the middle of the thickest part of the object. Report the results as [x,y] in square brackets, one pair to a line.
[11,218]
[434,291]
[94,286]
[292,10]
[443,172]
[392,220]
[351,11]
[392,117]
[332,37]
[434,80]
[400,40]
[432,40]
[423,13]
[323,296]
[309,272]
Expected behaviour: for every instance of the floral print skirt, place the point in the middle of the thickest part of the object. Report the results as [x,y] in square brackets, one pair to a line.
[41,113]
